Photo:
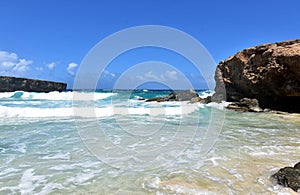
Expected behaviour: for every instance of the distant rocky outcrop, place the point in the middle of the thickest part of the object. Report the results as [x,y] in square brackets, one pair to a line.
[10,84]
[185,95]
[269,73]
[288,177]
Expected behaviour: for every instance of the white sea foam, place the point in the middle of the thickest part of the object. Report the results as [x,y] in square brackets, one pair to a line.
[6,94]
[8,171]
[109,110]
[34,112]
[43,105]
[55,161]
[81,178]
[62,167]
[62,156]
[29,181]
[171,187]
[268,150]
[221,105]
[49,187]
[55,95]
[26,185]
[205,94]
[21,147]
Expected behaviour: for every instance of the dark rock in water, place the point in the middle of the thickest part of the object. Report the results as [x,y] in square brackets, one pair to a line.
[11,84]
[288,177]
[297,166]
[190,95]
[157,99]
[269,73]
[170,97]
[246,104]
[206,100]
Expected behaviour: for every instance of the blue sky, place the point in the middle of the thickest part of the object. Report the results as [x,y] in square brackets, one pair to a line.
[48,39]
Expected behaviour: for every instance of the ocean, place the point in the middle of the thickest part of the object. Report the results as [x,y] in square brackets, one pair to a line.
[113,142]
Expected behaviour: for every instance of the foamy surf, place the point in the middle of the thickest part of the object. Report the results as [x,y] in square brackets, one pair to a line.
[143,147]
[85,104]
[86,112]
[55,95]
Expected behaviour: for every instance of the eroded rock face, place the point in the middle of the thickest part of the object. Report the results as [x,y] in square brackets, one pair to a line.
[269,73]
[11,84]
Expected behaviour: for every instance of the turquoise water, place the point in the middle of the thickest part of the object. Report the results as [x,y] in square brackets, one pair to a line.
[112,143]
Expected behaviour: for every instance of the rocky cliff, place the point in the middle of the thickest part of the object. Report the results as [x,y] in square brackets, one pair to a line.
[269,72]
[10,84]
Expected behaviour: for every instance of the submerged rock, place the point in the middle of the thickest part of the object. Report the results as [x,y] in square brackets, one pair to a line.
[11,84]
[269,73]
[288,177]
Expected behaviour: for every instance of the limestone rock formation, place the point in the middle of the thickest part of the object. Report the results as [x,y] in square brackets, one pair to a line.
[10,84]
[269,73]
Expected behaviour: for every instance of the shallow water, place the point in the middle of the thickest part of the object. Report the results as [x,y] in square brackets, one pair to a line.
[50,144]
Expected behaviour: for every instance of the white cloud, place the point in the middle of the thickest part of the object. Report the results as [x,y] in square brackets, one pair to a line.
[107,73]
[51,65]
[22,65]
[12,64]
[150,75]
[39,68]
[167,75]
[7,60]
[71,68]
[172,74]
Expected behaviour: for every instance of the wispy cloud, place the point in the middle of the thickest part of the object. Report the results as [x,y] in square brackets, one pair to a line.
[107,73]
[10,63]
[167,75]
[171,74]
[39,68]
[51,65]
[71,68]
